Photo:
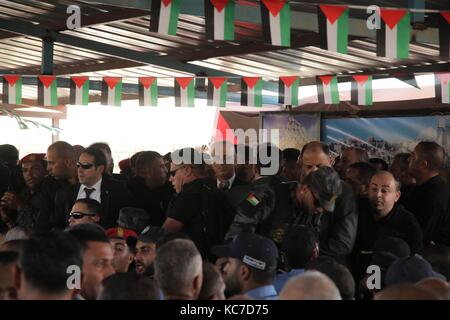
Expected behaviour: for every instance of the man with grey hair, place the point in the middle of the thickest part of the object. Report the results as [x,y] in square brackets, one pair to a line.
[178,270]
[311,285]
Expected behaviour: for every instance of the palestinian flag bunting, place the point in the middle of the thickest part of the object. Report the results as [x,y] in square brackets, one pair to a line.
[333,28]
[164,16]
[251,91]
[361,92]
[219,19]
[276,22]
[327,89]
[444,34]
[184,92]
[47,92]
[442,87]
[148,91]
[395,33]
[288,90]
[79,90]
[217,92]
[12,89]
[112,91]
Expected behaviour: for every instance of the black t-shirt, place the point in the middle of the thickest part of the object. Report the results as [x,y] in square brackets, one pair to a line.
[429,202]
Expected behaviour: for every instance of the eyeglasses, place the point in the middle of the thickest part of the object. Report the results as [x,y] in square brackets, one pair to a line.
[79,215]
[173,172]
[85,166]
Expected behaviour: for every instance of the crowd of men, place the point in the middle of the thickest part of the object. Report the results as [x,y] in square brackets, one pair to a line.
[190,225]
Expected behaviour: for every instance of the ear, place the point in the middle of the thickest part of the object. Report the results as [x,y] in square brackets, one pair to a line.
[245,272]
[197,285]
[397,195]
[102,169]
[96,219]
[17,274]
[316,251]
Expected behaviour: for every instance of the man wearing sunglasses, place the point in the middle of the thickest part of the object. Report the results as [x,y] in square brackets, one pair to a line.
[95,184]
[84,211]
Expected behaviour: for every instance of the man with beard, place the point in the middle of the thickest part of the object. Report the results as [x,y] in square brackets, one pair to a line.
[121,241]
[145,252]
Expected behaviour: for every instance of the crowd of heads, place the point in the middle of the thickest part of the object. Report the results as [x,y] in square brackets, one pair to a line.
[133,259]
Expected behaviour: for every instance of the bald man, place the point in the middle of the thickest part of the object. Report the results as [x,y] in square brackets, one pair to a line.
[383,217]
[311,285]
[429,200]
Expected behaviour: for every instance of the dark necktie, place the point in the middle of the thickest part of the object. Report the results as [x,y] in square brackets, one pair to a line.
[223,185]
[88,192]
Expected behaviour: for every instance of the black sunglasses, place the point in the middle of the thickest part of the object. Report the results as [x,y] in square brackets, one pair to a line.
[85,166]
[79,215]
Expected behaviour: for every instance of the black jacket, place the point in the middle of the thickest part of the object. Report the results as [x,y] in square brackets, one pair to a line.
[114,196]
[429,202]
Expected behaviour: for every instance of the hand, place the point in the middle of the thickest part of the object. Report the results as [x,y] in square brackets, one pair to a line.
[11,200]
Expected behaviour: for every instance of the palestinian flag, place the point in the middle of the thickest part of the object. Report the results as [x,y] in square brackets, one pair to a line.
[442,87]
[327,89]
[251,91]
[395,33]
[217,92]
[164,16]
[333,28]
[361,93]
[148,91]
[288,90]
[444,34]
[12,89]
[276,22]
[79,90]
[219,19]
[112,91]
[184,92]
[47,92]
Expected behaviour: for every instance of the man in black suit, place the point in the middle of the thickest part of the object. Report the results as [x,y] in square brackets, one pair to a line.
[95,184]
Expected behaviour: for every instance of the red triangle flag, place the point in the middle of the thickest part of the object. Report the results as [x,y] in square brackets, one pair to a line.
[47,80]
[444,77]
[166,2]
[326,79]
[274,6]
[217,81]
[184,81]
[112,81]
[392,16]
[251,81]
[446,15]
[79,81]
[12,78]
[361,79]
[146,81]
[333,12]
[288,81]
[219,4]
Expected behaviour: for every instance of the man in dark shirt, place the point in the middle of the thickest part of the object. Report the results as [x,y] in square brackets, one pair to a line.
[150,186]
[429,199]
[197,209]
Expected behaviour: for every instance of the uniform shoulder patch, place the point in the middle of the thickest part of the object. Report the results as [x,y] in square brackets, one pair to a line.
[253,199]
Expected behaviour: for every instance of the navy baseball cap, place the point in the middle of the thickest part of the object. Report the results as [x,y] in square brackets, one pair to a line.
[252,249]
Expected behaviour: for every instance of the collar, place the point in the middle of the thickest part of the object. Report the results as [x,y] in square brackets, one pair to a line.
[262,293]
[96,186]
[231,181]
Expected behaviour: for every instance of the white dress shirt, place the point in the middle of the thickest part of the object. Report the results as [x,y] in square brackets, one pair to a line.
[96,195]
[230,181]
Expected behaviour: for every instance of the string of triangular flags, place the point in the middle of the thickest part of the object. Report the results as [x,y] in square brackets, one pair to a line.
[392,37]
[23,122]
[217,90]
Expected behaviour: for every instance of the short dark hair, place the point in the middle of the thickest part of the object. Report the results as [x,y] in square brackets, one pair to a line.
[211,280]
[102,146]
[364,171]
[15,245]
[298,245]
[88,232]
[270,150]
[290,154]
[312,144]
[129,286]
[403,158]
[433,153]
[376,161]
[64,150]
[45,260]
[92,205]
[99,156]
[9,154]
[166,237]
[134,158]
[8,257]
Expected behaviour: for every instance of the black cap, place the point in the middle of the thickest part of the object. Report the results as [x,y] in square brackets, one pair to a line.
[252,249]
[135,219]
